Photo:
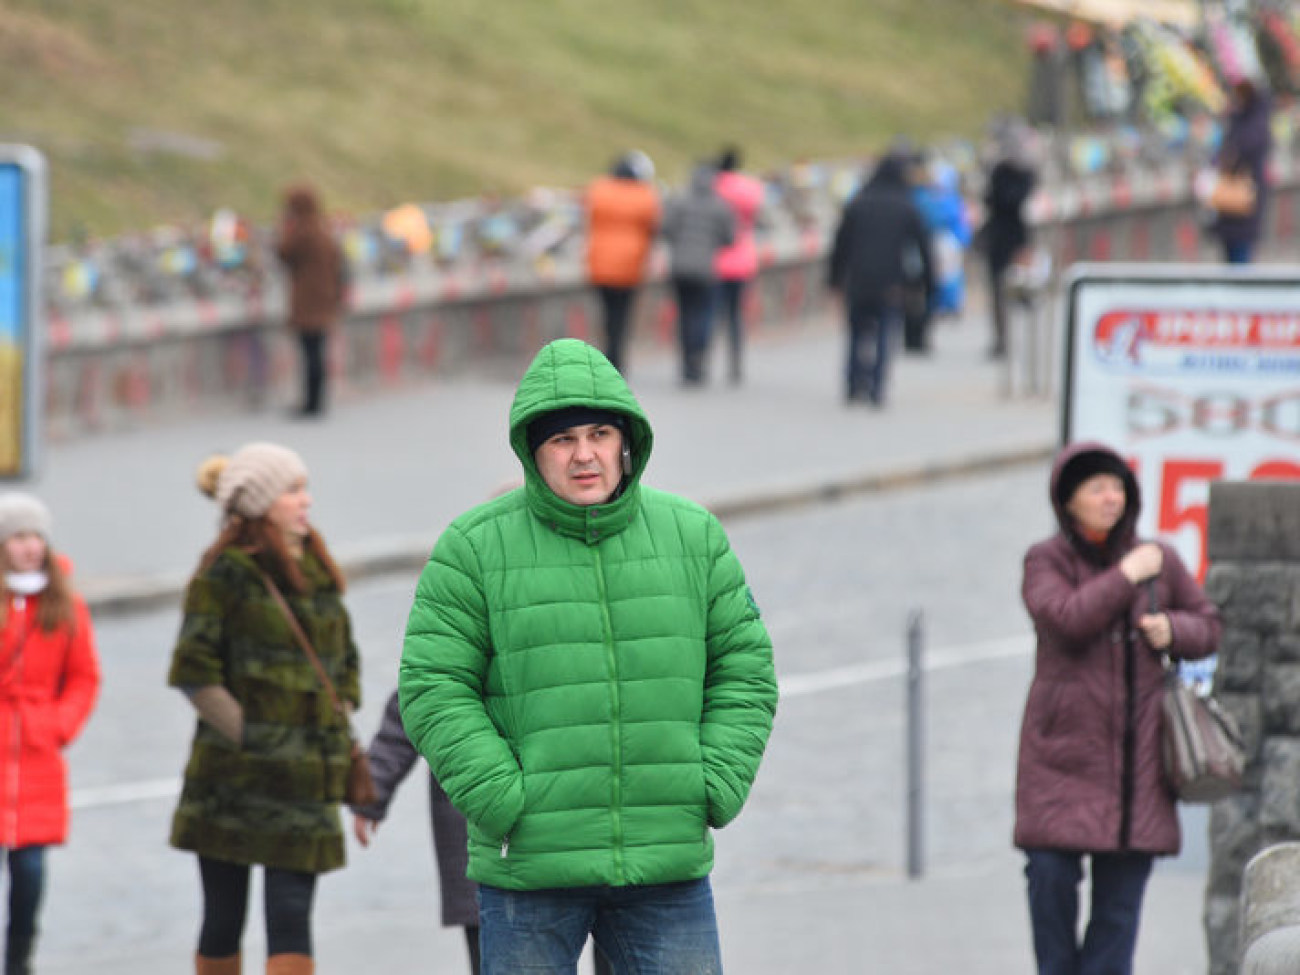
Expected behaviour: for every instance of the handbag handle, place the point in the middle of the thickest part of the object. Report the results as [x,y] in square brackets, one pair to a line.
[301,638]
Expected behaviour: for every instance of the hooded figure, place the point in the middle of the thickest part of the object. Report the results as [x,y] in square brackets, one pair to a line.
[880,246]
[1247,144]
[317,273]
[590,681]
[1106,608]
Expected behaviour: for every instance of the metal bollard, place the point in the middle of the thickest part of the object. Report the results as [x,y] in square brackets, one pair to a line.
[915,747]
[1270,912]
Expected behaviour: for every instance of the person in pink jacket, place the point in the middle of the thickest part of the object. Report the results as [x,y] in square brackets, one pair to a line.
[1107,609]
[735,266]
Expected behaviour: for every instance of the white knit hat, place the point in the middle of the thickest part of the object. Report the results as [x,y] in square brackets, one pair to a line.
[251,480]
[23,513]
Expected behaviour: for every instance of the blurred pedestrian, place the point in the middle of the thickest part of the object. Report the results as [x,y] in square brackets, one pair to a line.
[270,755]
[392,756]
[49,679]
[737,264]
[880,232]
[937,195]
[698,223]
[586,671]
[1106,607]
[622,215]
[1005,233]
[1244,152]
[317,273]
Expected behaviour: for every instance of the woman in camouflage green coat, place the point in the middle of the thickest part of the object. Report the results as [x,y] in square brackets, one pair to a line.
[270,756]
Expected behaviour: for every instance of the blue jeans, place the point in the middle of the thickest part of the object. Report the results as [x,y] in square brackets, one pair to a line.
[1238,253]
[871,332]
[1118,882]
[694,325]
[26,886]
[657,929]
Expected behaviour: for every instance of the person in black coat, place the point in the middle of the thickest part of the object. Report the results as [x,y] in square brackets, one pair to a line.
[881,245]
[1005,233]
[1247,144]
[392,756]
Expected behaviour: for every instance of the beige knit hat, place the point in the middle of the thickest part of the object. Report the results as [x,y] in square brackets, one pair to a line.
[23,513]
[251,480]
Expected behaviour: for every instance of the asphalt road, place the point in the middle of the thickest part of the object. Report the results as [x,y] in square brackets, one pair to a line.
[810,878]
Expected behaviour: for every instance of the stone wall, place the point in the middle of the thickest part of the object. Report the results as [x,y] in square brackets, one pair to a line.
[1254,578]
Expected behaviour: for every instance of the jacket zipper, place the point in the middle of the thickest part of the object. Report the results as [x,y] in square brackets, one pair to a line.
[616,706]
[1130,735]
[13,778]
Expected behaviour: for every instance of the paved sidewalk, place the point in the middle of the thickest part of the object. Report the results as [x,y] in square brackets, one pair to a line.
[388,473]
[390,470]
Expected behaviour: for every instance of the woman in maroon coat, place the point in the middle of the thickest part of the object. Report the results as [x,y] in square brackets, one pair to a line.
[1106,608]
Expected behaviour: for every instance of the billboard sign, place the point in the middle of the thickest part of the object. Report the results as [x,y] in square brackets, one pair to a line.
[23,197]
[1192,372]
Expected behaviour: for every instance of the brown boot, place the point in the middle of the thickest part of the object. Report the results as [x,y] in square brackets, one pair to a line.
[216,966]
[290,965]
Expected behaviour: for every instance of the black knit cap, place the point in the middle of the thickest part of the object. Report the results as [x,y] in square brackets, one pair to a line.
[544,427]
[1083,466]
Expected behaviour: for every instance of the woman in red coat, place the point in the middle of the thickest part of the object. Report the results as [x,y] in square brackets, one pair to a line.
[49,677]
[1106,609]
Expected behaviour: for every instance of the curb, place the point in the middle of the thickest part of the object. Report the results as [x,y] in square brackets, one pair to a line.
[393,555]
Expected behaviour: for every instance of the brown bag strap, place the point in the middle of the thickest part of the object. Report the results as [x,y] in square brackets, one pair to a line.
[298,634]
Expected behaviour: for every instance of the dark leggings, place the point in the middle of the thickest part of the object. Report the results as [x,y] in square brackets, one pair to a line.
[288,898]
[313,371]
[617,306]
[26,886]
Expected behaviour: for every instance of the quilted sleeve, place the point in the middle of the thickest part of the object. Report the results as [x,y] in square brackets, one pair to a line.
[1193,618]
[740,689]
[441,688]
[1072,612]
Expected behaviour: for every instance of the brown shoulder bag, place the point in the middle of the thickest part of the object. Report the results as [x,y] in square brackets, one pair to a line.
[360,789]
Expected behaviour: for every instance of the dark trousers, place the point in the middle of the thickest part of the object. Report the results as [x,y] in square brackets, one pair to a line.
[1238,252]
[998,308]
[730,298]
[616,304]
[1118,883]
[26,888]
[871,330]
[313,371]
[287,896]
[694,322]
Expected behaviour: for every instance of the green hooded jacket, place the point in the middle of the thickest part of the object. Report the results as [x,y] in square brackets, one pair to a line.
[592,685]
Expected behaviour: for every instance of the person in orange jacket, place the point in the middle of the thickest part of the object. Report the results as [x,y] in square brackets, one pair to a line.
[622,216]
[49,679]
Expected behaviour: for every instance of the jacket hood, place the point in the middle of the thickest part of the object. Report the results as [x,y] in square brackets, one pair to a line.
[569,372]
[702,179]
[1091,452]
[890,173]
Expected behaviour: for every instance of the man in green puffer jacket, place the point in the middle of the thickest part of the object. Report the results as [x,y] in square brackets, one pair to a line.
[586,672]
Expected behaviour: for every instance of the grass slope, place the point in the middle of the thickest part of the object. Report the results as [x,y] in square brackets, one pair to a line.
[160,110]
